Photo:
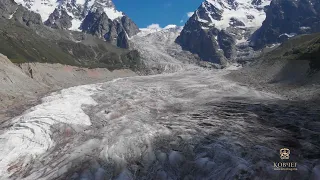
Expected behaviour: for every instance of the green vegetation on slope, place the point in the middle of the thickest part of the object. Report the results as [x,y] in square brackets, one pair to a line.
[22,44]
[304,47]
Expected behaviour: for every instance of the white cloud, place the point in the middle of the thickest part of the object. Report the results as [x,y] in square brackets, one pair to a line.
[189,14]
[181,21]
[154,26]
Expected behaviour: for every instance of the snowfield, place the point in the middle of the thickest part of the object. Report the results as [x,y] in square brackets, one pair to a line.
[190,124]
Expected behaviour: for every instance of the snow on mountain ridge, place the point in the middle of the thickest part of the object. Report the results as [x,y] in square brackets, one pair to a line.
[156,28]
[43,7]
[76,9]
[246,11]
[223,27]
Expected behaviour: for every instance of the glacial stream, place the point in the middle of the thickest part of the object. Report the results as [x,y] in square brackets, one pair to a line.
[185,125]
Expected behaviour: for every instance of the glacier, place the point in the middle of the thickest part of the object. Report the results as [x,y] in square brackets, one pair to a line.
[193,124]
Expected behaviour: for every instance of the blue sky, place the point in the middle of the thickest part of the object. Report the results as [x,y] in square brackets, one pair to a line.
[162,12]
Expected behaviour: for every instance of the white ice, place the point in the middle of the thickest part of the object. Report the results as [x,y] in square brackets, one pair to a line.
[113,13]
[29,135]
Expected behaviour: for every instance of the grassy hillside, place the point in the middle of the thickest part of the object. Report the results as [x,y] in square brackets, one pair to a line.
[304,47]
[23,44]
[291,70]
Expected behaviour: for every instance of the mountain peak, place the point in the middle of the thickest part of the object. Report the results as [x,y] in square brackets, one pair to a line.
[222,13]
[217,26]
[71,9]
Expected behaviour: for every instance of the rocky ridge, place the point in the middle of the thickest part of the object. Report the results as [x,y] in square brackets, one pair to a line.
[96,17]
[285,19]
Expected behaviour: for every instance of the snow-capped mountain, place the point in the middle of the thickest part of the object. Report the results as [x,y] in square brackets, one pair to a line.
[217,26]
[75,9]
[105,20]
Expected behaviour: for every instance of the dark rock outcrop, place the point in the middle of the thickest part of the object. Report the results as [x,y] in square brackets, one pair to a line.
[96,23]
[59,20]
[287,18]
[10,10]
[227,43]
[27,17]
[7,8]
[116,32]
[129,26]
[201,41]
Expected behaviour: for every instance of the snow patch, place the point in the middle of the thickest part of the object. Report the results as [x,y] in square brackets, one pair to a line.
[189,14]
[241,41]
[305,28]
[76,23]
[156,28]
[10,17]
[43,7]
[288,35]
[170,26]
[113,13]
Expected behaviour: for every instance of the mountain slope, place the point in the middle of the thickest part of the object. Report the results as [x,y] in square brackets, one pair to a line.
[292,69]
[96,17]
[287,18]
[24,38]
[217,26]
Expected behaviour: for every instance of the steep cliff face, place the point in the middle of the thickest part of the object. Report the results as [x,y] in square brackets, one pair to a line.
[76,16]
[217,27]
[116,32]
[287,18]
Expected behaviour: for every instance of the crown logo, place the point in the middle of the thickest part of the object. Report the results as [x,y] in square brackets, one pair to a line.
[284,153]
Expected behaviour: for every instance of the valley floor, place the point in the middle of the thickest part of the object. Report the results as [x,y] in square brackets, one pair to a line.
[186,125]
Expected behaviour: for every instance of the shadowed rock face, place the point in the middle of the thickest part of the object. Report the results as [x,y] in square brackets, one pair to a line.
[201,41]
[96,23]
[129,26]
[59,20]
[287,16]
[116,32]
